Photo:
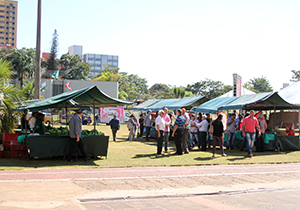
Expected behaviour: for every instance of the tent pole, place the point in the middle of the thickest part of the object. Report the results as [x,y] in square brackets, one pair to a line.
[66,117]
[94,112]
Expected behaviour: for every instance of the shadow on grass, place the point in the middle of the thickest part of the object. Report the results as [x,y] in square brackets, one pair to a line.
[203,158]
[151,156]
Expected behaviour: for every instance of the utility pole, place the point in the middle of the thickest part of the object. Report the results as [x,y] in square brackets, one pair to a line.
[37,74]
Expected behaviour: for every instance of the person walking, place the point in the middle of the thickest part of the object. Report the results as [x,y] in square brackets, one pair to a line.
[177,132]
[209,120]
[131,125]
[203,132]
[160,125]
[186,129]
[248,129]
[115,126]
[218,135]
[231,127]
[167,119]
[75,135]
[148,124]
[260,140]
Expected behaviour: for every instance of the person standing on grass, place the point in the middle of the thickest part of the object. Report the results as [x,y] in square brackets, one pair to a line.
[209,120]
[115,126]
[248,129]
[186,129]
[202,132]
[194,132]
[218,135]
[75,135]
[160,126]
[231,127]
[148,124]
[260,147]
[131,124]
[177,132]
[141,123]
[167,119]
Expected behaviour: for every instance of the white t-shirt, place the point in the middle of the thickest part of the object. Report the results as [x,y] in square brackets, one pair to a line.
[160,123]
[32,122]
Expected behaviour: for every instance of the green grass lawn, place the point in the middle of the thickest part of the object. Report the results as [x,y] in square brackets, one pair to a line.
[123,153]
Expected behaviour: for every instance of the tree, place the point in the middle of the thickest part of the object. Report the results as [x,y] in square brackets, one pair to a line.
[179,92]
[28,90]
[259,85]
[108,74]
[23,63]
[296,76]
[52,62]
[8,95]
[79,69]
[209,88]
[161,91]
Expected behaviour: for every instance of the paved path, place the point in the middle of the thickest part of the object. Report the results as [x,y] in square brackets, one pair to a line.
[208,187]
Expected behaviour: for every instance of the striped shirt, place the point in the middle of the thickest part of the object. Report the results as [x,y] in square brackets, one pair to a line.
[180,121]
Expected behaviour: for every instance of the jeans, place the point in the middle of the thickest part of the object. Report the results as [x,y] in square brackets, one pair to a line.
[230,139]
[160,142]
[166,140]
[185,134]
[192,135]
[202,138]
[260,143]
[147,132]
[131,133]
[250,141]
[178,141]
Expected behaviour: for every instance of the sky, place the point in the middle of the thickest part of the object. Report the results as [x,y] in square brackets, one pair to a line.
[176,42]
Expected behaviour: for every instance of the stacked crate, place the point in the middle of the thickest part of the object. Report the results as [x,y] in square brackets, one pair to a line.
[12,148]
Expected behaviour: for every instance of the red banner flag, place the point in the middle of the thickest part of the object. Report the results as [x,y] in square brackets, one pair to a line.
[68,86]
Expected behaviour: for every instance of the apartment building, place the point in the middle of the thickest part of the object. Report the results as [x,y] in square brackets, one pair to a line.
[8,23]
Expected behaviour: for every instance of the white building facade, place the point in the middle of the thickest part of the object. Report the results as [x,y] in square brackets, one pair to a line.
[75,50]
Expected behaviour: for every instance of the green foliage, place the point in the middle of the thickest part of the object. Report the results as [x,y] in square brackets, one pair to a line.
[259,85]
[79,70]
[179,92]
[122,95]
[23,62]
[108,77]
[52,63]
[28,90]
[296,76]
[8,95]
[161,91]
[209,88]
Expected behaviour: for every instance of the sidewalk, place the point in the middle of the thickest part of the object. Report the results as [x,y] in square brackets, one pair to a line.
[106,187]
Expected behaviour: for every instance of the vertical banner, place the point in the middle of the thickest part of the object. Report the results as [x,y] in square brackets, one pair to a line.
[237,85]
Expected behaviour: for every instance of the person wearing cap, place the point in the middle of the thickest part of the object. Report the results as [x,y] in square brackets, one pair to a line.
[202,132]
[131,126]
[289,130]
[75,135]
[160,125]
[148,124]
[114,126]
[194,131]
[186,129]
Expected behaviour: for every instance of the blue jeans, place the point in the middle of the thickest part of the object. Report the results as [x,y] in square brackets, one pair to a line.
[250,141]
[166,140]
[192,135]
[147,132]
[230,139]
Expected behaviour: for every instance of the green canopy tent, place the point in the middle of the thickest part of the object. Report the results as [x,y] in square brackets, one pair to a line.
[176,103]
[260,101]
[212,106]
[88,97]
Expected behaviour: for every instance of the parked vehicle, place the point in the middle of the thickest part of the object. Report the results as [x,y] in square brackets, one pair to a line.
[47,119]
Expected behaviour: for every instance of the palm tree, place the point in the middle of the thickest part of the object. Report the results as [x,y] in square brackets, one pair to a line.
[8,95]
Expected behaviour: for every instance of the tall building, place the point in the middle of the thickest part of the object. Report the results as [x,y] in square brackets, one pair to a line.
[75,50]
[8,22]
[98,61]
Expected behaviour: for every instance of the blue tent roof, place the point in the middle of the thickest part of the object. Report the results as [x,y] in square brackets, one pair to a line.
[143,106]
[212,106]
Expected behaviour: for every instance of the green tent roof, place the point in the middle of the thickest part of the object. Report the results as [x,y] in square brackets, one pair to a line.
[212,106]
[85,97]
[260,101]
[173,103]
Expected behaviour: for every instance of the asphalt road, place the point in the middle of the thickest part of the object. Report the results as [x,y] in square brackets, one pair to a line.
[274,186]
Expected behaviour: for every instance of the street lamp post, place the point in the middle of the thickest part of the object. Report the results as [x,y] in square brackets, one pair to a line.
[37,91]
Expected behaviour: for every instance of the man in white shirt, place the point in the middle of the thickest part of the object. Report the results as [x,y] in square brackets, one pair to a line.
[32,121]
[160,125]
[203,125]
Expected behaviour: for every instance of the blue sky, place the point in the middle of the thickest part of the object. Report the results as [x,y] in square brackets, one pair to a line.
[176,42]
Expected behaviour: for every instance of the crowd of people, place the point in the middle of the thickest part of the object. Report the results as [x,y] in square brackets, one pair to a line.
[189,131]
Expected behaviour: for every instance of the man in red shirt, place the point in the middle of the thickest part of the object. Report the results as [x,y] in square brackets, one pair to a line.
[289,131]
[248,129]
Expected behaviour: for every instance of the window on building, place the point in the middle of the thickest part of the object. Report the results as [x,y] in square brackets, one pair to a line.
[1,26]
[2,5]
[2,11]
[1,37]
[1,32]
[1,16]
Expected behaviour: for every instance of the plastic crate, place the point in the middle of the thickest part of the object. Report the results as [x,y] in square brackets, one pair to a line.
[16,146]
[8,137]
[18,154]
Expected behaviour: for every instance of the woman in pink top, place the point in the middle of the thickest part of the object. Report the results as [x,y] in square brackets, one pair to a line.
[260,143]
[167,119]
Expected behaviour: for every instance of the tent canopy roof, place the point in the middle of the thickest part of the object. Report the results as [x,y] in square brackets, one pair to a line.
[260,101]
[174,103]
[291,93]
[212,106]
[85,97]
